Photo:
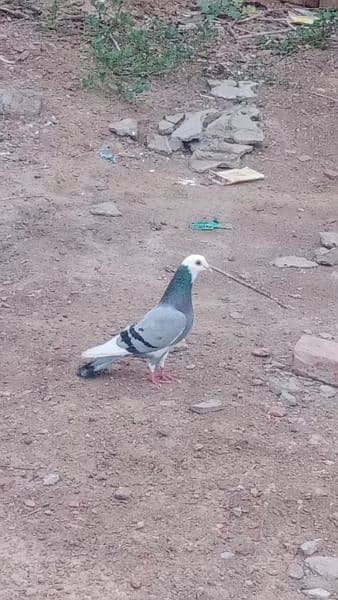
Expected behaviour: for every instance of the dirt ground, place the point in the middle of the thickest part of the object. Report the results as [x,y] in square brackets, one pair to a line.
[240,480]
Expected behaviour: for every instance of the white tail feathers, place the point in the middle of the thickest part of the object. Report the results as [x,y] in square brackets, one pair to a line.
[108,349]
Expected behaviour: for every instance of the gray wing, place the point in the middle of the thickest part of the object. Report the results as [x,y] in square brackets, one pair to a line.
[160,328]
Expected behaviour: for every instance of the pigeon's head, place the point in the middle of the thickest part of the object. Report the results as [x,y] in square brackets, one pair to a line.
[195,263]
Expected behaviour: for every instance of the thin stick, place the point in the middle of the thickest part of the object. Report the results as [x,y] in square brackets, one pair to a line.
[250,286]
[323,96]
[263,33]
[17,14]
[18,468]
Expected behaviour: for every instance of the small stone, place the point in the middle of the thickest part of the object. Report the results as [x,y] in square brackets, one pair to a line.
[261,352]
[295,571]
[329,259]
[193,124]
[139,525]
[329,239]
[331,173]
[310,547]
[228,555]
[236,315]
[165,128]
[304,158]
[159,143]
[230,89]
[327,391]
[175,119]
[190,367]
[316,440]
[125,128]
[255,492]
[316,358]
[15,103]
[294,262]
[135,583]
[326,336]
[29,503]
[257,382]
[122,493]
[288,398]
[237,511]
[51,479]
[206,407]
[73,503]
[325,566]
[278,411]
[318,593]
[105,209]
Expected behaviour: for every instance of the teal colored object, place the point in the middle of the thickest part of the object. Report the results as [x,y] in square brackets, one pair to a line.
[210,225]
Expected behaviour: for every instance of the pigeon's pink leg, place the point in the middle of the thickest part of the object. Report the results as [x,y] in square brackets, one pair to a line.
[166,376]
[154,378]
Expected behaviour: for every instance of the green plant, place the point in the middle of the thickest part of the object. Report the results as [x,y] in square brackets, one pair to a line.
[128,55]
[316,35]
[52,13]
[213,9]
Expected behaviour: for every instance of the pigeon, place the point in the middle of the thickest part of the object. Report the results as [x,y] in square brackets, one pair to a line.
[160,329]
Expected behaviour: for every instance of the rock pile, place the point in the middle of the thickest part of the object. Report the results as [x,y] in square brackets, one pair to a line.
[216,137]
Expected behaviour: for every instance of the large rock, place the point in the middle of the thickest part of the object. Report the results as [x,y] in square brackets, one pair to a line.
[125,128]
[245,131]
[316,358]
[329,239]
[329,258]
[15,103]
[224,154]
[325,566]
[294,262]
[193,125]
[162,144]
[230,89]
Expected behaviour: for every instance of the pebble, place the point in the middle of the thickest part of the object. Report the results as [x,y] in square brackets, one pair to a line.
[317,440]
[235,315]
[327,391]
[190,367]
[227,555]
[139,525]
[51,479]
[261,352]
[135,584]
[122,493]
[326,336]
[29,503]
[206,407]
[278,411]
[310,547]
[288,398]
[318,593]
[237,511]
[331,173]
[125,128]
[329,239]
[105,209]
[325,566]
[295,571]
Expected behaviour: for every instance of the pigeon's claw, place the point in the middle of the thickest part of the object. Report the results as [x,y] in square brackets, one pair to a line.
[154,378]
[166,376]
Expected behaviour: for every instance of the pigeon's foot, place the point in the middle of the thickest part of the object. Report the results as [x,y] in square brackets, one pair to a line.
[166,376]
[160,377]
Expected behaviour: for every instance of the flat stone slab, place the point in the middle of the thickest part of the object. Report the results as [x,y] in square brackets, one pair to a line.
[221,154]
[294,262]
[325,566]
[206,407]
[192,126]
[15,103]
[229,89]
[328,258]
[162,144]
[105,209]
[317,358]
[125,128]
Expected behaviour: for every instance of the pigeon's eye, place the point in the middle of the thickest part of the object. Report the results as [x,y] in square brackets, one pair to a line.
[198,263]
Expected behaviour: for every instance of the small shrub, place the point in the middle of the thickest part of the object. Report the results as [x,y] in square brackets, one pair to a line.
[128,55]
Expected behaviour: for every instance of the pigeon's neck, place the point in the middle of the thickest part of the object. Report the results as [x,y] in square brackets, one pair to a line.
[178,292]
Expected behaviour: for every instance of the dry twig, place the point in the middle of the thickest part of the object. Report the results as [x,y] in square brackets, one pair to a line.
[250,286]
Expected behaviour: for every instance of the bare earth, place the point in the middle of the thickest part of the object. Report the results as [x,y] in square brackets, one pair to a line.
[241,480]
